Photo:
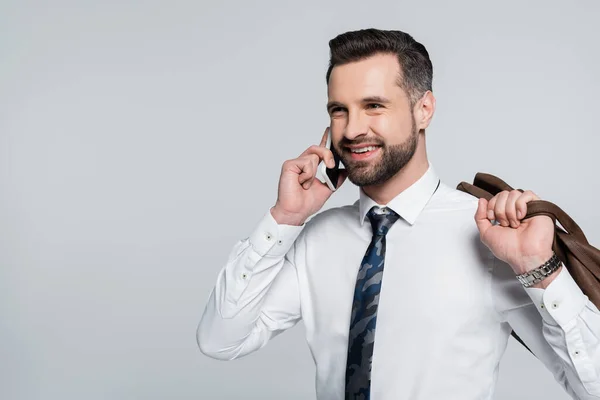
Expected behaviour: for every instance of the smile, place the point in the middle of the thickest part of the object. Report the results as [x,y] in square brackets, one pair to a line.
[363,149]
[363,153]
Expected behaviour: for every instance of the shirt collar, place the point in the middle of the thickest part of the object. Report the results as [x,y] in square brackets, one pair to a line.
[407,204]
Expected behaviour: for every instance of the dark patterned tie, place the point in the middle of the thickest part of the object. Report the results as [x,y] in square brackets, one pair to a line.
[364,308]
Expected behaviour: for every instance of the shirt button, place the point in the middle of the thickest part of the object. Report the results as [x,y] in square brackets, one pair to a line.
[244,275]
[268,236]
[555,305]
[280,242]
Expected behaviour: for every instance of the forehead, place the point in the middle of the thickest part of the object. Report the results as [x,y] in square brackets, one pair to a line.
[376,75]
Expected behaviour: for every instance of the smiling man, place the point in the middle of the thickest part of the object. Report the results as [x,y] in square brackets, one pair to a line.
[411,292]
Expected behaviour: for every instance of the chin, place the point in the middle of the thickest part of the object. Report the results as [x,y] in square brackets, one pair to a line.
[362,178]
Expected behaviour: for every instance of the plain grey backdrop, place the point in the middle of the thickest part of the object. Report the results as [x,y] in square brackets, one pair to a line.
[140,140]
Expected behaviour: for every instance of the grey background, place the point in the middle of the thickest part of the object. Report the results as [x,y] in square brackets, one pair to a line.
[129,131]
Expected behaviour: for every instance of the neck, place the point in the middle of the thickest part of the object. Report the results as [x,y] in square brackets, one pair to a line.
[403,179]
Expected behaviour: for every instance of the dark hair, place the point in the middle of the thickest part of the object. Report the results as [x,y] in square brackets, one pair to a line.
[415,66]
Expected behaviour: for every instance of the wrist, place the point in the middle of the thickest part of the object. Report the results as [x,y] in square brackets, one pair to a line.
[285,218]
[548,280]
[529,263]
[542,275]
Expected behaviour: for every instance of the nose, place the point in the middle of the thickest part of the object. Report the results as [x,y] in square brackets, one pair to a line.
[357,126]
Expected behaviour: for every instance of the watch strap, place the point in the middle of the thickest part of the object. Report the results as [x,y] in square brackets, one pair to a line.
[537,275]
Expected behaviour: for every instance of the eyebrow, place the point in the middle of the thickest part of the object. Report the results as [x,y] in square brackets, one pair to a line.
[375,99]
[369,99]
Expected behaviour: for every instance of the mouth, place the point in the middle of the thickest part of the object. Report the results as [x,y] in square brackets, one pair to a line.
[362,153]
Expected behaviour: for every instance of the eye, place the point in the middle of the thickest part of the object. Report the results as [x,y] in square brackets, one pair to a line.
[374,105]
[336,110]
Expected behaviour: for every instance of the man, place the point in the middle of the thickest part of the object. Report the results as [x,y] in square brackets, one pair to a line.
[411,292]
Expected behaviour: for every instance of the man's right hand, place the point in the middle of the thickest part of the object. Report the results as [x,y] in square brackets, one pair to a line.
[300,194]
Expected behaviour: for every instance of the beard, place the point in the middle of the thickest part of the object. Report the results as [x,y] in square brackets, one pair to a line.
[393,159]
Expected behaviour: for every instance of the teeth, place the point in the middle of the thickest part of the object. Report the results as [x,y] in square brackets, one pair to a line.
[364,149]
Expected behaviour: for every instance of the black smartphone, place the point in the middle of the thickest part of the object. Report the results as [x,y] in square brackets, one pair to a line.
[332,175]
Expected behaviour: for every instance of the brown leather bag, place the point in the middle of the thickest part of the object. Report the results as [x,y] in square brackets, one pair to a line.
[581,259]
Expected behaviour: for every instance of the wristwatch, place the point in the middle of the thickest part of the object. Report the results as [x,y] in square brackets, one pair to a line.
[539,274]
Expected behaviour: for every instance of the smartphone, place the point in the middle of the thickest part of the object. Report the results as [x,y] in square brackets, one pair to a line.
[330,176]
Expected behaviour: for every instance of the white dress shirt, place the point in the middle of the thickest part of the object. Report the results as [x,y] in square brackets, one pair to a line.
[446,306]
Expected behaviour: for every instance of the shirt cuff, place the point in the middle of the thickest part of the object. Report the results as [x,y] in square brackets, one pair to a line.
[561,302]
[271,239]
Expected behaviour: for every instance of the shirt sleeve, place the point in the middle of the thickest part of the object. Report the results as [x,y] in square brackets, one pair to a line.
[559,324]
[256,293]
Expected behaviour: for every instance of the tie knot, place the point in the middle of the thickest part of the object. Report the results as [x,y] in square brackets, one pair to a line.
[381,220]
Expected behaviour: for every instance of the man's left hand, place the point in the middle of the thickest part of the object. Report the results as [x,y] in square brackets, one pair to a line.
[523,244]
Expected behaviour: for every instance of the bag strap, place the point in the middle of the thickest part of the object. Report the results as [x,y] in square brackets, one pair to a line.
[487,186]
[541,207]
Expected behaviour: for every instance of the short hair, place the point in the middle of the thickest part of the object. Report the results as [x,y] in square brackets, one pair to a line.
[416,69]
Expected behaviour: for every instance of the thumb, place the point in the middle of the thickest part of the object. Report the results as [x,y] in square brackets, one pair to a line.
[483,223]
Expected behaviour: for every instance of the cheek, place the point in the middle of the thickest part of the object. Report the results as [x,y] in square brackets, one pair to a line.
[337,127]
[393,129]
[381,124]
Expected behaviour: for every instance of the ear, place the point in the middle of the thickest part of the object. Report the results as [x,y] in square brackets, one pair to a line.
[424,109]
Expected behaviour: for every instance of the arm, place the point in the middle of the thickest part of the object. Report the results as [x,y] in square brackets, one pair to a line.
[555,319]
[559,324]
[256,294]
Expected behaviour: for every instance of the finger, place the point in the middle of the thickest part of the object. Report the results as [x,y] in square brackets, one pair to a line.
[323,153]
[324,138]
[311,163]
[298,165]
[511,208]
[314,164]
[308,169]
[521,203]
[481,217]
[305,179]
[490,208]
[500,208]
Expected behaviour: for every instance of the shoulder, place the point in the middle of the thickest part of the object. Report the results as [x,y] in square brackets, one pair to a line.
[331,223]
[448,198]
[451,210]
[334,216]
